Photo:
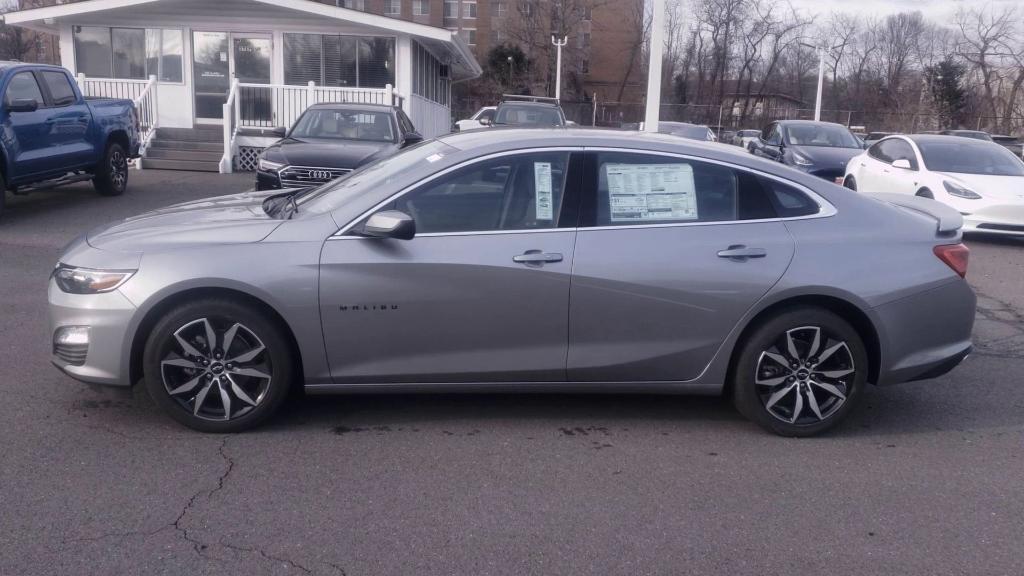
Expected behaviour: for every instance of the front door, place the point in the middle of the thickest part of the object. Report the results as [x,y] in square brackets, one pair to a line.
[217,57]
[481,294]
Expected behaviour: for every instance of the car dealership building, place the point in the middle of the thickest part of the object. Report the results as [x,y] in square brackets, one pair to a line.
[233,71]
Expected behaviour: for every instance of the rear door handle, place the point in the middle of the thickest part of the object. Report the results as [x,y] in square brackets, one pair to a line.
[741,252]
[537,257]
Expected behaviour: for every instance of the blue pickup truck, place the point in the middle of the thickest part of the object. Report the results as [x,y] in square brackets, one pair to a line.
[52,135]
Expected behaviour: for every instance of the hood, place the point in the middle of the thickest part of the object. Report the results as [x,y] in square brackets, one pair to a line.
[234,219]
[1008,189]
[327,152]
[826,156]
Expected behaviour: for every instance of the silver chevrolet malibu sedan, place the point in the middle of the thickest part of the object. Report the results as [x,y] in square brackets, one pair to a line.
[523,260]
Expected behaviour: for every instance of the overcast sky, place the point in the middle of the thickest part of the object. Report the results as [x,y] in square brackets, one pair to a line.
[933,9]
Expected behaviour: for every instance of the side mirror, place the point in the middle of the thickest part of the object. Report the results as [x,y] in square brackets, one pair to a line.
[390,224]
[484,121]
[279,131]
[412,138]
[901,163]
[23,105]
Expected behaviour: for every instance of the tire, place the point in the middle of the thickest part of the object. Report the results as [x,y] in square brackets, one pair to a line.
[3,195]
[178,365]
[834,383]
[111,177]
[851,183]
[925,193]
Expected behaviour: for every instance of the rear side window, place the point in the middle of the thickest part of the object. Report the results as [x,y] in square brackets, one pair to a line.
[60,88]
[787,201]
[23,86]
[634,189]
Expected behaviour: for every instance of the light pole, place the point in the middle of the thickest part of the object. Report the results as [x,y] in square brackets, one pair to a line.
[510,73]
[821,77]
[653,111]
[558,65]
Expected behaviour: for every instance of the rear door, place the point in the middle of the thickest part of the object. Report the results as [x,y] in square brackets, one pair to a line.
[68,118]
[481,294]
[671,252]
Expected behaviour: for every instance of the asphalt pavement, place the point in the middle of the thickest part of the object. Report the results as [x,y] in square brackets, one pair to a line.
[923,478]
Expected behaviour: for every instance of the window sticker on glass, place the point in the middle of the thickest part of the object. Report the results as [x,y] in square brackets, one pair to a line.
[643,192]
[542,185]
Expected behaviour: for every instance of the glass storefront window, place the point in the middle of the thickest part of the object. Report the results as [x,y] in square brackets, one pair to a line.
[329,60]
[128,53]
[92,51]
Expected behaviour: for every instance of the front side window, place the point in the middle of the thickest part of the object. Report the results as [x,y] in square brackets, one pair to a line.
[636,189]
[23,86]
[519,192]
[345,125]
[899,149]
[878,152]
[60,88]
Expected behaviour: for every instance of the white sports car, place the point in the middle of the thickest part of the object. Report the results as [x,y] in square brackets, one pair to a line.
[982,180]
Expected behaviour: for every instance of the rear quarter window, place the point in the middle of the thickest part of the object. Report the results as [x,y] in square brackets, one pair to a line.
[788,201]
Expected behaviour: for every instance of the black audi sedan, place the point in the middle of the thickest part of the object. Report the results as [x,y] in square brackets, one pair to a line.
[818,148]
[332,139]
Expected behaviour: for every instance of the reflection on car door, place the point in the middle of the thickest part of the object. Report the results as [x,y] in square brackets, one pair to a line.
[670,254]
[481,294]
[27,133]
[70,146]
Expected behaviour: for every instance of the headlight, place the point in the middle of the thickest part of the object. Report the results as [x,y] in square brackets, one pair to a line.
[959,191]
[801,160]
[88,281]
[268,166]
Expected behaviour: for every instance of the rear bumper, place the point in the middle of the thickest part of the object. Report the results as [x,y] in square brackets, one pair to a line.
[927,334]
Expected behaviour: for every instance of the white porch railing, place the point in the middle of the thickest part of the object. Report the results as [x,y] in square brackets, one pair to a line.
[268,106]
[143,93]
[432,119]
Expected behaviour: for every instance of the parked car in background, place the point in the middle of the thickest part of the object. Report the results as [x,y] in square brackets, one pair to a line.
[687,130]
[483,117]
[743,138]
[529,111]
[330,140]
[873,137]
[726,136]
[52,135]
[818,148]
[982,180]
[523,260]
[1011,143]
[975,134]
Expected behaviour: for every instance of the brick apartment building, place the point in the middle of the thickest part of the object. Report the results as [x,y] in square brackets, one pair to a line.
[603,54]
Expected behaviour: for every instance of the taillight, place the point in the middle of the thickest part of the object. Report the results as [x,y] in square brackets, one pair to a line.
[955,256]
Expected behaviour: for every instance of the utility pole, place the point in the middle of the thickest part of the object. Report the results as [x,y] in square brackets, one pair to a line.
[558,65]
[510,74]
[653,111]
[821,50]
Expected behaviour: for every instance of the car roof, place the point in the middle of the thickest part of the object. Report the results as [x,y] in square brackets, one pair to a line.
[807,123]
[529,103]
[8,64]
[931,138]
[352,106]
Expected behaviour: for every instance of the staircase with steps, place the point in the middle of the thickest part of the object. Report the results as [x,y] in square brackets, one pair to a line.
[196,149]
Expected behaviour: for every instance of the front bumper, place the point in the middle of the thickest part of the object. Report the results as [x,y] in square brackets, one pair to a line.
[107,317]
[1006,220]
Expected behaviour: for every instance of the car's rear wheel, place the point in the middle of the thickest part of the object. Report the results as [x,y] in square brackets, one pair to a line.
[111,178]
[218,366]
[850,182]
[800,372]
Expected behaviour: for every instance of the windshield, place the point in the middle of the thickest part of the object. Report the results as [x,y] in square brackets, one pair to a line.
[826,135]
[511,114]
[345,124]
[970,157]
[745,133]
[335,193]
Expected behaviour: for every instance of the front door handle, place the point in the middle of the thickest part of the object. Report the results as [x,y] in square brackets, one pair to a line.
[741,252]
[537,257]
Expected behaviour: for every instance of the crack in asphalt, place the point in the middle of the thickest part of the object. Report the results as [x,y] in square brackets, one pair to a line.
[998,315]
[198,545]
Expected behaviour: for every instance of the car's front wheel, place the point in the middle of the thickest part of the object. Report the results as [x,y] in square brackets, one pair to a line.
[216,365]
[800,372]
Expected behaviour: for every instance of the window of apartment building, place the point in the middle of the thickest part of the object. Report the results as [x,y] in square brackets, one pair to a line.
[585,40]
[128,53]
[585,65]
[392,7]
[498,8]
[421,7]
[468,9]
[354,4]
[588,13]
[451,8]
[329,60]
[470,35]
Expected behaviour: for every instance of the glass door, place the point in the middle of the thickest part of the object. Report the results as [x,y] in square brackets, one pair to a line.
[250,61]
[217,57]
[211,75]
